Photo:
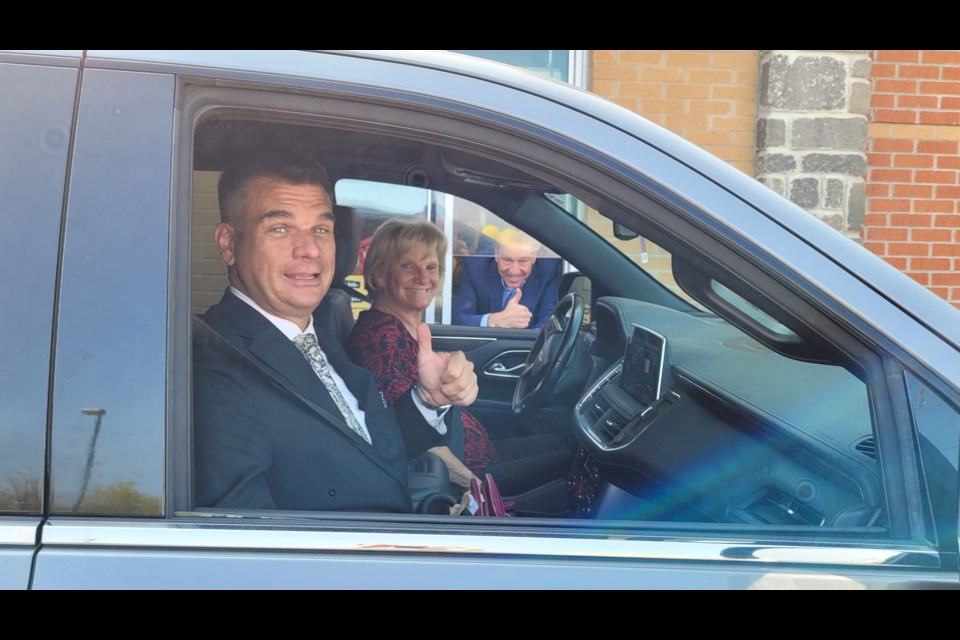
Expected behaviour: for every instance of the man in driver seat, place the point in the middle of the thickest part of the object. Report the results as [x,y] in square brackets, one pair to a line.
[282,418]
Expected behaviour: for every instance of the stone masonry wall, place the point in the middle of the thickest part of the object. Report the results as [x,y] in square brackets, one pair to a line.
[812,131]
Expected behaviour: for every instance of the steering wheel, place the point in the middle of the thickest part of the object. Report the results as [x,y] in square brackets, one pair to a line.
[549,355]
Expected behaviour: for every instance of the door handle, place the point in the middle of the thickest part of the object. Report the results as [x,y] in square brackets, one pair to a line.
[497,369]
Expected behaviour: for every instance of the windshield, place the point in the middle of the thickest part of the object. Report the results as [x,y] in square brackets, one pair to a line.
[650,257]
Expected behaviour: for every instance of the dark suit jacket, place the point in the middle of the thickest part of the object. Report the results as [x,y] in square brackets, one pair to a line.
[481,291]
[259,446]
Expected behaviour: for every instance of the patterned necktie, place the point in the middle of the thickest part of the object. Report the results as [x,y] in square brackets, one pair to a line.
[307,343]
[507,294]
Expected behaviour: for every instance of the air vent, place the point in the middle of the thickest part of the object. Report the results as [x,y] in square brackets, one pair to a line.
[867,447]
[609,428]
[595,409]
[604,422]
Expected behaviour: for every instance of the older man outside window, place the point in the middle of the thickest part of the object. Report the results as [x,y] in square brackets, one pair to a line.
[513,289]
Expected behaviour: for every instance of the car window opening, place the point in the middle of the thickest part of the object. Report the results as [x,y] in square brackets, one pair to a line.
[668,416]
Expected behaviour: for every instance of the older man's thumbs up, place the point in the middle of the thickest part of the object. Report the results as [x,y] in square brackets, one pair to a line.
[514,314]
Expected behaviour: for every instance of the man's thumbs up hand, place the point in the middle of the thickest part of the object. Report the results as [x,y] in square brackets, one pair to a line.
[514,315]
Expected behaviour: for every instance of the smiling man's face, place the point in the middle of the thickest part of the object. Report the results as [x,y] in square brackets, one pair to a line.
[515,264]
[281,251]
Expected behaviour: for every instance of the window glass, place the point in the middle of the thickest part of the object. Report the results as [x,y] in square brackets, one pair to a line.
[552,63]
[208,274]
[652,258]
[471,231]
[737,435]
[34,135]
[750,309]
[110,395]
[938,424]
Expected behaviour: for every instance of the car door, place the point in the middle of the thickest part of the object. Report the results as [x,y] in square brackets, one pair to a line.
[35,130]
[109,397]
[122,511]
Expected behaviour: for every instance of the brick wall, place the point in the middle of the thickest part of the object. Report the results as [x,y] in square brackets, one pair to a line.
[208,275]
[913,177]
[707,97]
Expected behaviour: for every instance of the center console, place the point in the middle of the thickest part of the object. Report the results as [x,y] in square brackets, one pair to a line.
[626,399]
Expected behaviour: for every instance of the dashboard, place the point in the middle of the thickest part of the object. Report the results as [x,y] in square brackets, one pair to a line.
[693,420]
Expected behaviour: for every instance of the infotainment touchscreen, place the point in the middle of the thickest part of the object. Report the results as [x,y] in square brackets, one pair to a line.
[642,374]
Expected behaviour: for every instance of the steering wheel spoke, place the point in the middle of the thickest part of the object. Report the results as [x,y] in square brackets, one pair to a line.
[552,326]
[549,356]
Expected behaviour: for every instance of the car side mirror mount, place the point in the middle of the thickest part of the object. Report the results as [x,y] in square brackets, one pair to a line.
[621,232]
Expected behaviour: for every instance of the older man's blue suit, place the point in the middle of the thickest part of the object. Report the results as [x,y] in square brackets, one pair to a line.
[481,291]
[260,446]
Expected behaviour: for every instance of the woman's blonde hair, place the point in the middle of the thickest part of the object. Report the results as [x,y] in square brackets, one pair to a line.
[393,239]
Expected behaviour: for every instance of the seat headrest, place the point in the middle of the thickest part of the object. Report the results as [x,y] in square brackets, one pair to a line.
[346,233]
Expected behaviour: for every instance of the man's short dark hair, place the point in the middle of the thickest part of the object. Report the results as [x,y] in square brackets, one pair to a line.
[292,168]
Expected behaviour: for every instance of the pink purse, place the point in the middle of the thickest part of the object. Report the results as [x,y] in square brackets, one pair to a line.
[488,498]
